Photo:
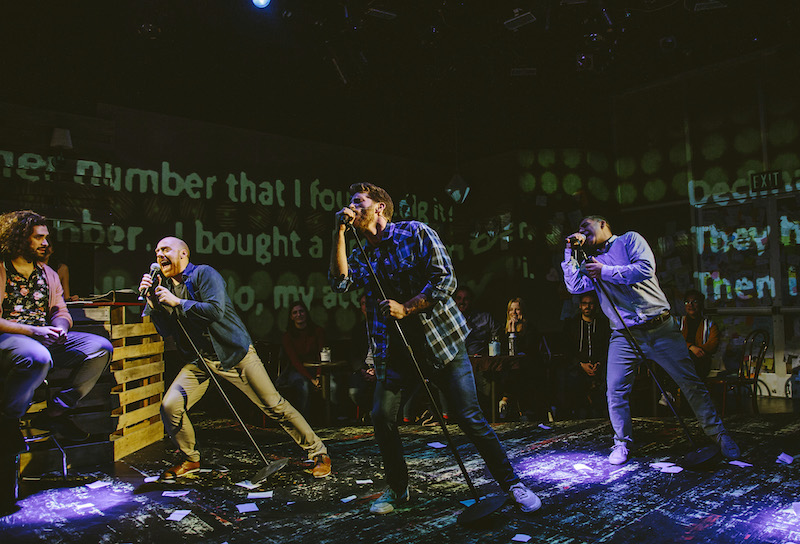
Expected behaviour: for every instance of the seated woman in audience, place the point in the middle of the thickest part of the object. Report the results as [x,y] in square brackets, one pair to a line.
[520,340]
[301,343]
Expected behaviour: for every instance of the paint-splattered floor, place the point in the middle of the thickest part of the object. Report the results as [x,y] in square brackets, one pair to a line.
[585,499]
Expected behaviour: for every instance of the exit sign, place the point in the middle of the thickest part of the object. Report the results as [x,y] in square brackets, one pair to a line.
[765,181]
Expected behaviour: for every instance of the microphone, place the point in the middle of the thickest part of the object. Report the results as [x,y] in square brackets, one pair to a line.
[344,219]
[154,269]
[574,240]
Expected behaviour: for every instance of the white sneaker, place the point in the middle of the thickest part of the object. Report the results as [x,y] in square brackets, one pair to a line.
[524,497]
[619,455]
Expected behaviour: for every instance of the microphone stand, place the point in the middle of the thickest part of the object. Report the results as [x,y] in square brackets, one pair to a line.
[270,468]
[694,458]
[482,507]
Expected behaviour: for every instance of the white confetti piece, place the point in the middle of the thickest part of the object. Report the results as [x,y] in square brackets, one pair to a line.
[247,507]
[546,428]
[521,538]
[437,445]
[363,482]
[661,465]
[97,485]
[175,493]
[260,495]
[350,498]
[740,463]
[247,484]
[178,515]
[672,470]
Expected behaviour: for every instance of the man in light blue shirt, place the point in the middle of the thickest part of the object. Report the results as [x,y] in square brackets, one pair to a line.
[625,267]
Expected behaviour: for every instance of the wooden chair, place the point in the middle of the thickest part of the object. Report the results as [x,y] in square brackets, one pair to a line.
[754,350]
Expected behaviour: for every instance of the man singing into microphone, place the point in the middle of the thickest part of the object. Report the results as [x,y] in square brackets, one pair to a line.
[416,272]
[195,295]
[625,270]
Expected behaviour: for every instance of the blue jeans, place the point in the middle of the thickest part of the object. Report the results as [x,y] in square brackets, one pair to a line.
[665,345]
[25,362]
[455,380]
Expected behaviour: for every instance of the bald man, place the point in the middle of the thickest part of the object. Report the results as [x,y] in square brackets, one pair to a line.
[196,295]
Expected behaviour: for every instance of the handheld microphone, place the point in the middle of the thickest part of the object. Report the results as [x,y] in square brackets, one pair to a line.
[574,240]
[154,269]
[344,219]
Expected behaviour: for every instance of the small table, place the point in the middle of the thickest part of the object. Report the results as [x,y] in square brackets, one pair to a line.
[324,369]
[496,364]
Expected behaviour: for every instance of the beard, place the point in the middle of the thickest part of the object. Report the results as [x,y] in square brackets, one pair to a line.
[33,256]
[362,219]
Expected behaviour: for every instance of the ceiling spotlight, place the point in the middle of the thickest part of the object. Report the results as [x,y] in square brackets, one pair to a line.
[261,3]
[519,19]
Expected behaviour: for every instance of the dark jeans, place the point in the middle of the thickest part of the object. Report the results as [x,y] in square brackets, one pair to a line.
[458,385]
[25,362]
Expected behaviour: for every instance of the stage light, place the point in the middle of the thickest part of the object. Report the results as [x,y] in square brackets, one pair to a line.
[519,19]
[457,189]
[260,4]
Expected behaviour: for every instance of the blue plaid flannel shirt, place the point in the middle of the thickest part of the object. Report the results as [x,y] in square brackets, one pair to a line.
[409,260]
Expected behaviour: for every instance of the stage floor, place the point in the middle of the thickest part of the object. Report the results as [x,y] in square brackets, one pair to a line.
[584,498]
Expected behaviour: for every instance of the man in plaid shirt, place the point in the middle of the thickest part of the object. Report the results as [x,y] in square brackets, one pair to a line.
[417,275]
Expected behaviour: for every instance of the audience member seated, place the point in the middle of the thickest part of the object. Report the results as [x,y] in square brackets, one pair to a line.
[35,335]
[62,270]
[582,382]
[515,384]
[482,325]
[701,334]
[483,329]
[301,343]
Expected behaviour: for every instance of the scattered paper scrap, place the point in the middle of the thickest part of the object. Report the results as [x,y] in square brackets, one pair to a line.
[520,537]
[796,508]
[740,463]
[175,493]
[247,484]
[151,479]
[661,464]
[546,428]
[350,498]
[260,495]
[247,507]
[203,470]
[289,503]
[785,458]
[363,482]
[674,469]
[97,485]
[437,445]
[468,502]
[178,515]
[84,505]
[581,466]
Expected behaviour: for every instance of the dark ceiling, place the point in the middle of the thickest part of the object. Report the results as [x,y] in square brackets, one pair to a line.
[433,79]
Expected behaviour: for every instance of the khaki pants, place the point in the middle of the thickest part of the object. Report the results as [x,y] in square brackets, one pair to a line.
[252,379]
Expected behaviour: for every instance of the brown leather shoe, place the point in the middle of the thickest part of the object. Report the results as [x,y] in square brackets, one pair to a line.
[187,467]
[322,466]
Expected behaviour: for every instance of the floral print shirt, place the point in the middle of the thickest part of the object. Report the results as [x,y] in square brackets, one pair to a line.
[26,298]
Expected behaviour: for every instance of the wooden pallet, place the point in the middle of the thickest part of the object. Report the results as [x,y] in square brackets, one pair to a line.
[122,411]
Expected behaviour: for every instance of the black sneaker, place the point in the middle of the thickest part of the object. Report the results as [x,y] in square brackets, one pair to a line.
[60,425]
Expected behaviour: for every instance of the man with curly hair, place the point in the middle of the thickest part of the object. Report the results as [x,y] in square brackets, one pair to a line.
[35,335]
